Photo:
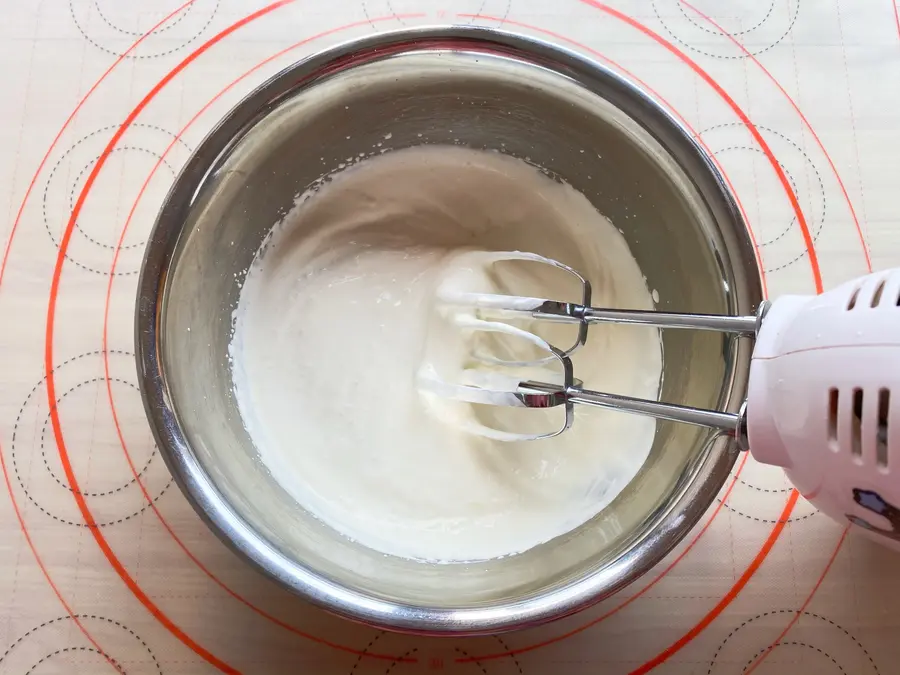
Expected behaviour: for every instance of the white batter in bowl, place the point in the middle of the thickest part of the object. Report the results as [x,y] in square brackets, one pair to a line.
[330,332]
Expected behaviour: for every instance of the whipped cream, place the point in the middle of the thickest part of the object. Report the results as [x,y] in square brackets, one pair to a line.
[337,318]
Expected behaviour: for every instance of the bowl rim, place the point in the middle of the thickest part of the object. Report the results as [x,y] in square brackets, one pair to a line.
[195,483]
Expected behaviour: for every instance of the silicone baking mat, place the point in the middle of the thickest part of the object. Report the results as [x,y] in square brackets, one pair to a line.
[104,566]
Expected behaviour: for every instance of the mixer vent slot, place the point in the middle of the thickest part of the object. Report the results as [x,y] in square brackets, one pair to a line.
[832,419]
[856,423]
[876,299]
[853,297]
[881,439]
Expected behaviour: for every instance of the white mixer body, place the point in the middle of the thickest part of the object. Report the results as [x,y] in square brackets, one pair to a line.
[824,400]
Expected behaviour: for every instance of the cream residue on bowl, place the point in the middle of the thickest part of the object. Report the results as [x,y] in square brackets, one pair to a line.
[330,332]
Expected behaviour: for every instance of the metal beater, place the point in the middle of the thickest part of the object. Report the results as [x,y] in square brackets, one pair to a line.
[489,312]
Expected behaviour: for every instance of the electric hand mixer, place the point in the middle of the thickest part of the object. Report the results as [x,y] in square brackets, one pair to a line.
[823,396]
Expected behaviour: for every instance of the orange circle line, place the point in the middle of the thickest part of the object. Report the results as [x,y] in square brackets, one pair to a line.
[43,162]
[803,607]
[40,564]
[776,167]
[810,246]
[104,350]
[624,604]
[740,468]
[866,253]
[3,263]
[729,597]
[796,108]
[666,103]
[107,551]
[817,278]
[868,265]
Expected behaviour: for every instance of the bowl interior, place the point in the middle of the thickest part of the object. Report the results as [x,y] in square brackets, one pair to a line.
[578,125]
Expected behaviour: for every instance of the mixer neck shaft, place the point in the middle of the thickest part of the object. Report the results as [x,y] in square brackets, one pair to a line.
[732,424]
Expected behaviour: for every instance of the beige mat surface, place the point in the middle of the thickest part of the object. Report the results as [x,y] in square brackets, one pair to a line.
[114,569]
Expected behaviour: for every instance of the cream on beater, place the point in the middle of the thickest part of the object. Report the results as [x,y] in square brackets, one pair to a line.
[331,332]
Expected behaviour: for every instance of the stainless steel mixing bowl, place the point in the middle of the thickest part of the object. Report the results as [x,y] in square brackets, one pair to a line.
[482,89]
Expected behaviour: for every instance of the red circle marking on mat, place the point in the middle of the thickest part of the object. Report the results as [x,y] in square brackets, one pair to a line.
[668,106]
[739,45]
[42,567]
[112,402]
[776,167]
[117,565]
[43,162]
[150,501]
[866,254]
[814,263]
[740,468]
[777,529]
[3,262]
[796,109]
[625,603]
[729,597]
[799,613]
